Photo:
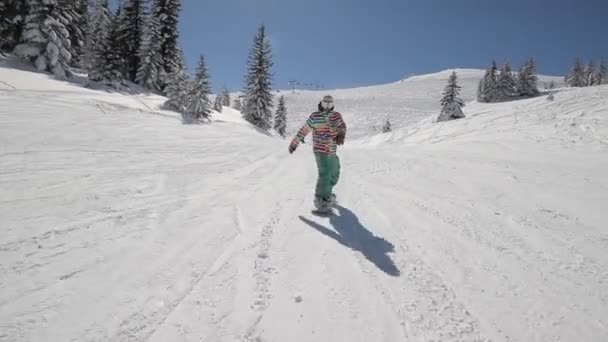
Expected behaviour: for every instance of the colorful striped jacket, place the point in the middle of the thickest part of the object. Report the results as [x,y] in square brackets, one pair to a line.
[325,127]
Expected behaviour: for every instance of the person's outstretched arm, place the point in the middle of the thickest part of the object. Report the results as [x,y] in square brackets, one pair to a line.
[302,133]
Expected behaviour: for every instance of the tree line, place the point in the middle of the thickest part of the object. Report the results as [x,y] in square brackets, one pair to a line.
[138,42]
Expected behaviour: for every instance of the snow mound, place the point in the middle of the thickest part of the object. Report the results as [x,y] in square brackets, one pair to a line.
[18,78]
[445,74]
[575,116]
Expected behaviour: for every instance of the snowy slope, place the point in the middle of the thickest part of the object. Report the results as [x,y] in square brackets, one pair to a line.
[404,103]
[118,223]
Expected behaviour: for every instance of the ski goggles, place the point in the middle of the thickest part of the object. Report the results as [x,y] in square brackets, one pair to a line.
[327,104]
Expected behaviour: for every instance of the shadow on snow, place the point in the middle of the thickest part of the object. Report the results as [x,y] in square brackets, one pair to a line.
[349,232]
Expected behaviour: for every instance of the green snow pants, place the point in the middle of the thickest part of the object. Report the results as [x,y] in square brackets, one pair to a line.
[329,173]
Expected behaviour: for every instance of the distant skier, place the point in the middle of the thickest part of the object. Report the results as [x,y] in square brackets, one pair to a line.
[328,131]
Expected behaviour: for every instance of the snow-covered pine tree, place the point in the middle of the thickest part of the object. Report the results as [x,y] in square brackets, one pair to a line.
[113,59]
[77,13]
[237,103]
[6,23]
[167,14]
[588,72]
[99,40]
[280,118]
[576,77]
[12,15]
[527,80]
[150,60]
[87,58]
[258,82]
[451,104]
[46,41]
[177,90]
[506,82]
[488,87]
[480,87]
[199,106]
[131,33]
[387,126]
[180,61]
[225,97]
[217,103]
[601,74]
[552,85]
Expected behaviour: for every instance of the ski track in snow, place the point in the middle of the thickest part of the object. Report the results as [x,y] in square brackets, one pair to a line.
[120,224]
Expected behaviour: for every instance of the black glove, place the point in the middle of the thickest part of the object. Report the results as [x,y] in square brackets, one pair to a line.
[340,138]
[292,148]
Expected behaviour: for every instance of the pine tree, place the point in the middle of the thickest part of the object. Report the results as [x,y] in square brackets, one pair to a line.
[576,77]
[600,75]
[280,118]
[217,103]
[387,126]
[237,103]
[492,91]
[180,61]
[12,15]
[198,106]
[77,11]
[98,44]
[46,41]
[6,19]
[527,81]
[113,59]
[177,90]
[258,82]
[225,97]
[131,33]
[488,89]
[588,72]
[506,82]
[166,12]
[480,88]
[451,104]
[150,60]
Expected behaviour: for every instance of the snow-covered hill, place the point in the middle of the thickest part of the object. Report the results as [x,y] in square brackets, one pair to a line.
[404,103]
[118,223]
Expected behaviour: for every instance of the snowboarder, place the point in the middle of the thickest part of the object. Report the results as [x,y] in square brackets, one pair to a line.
[328,131]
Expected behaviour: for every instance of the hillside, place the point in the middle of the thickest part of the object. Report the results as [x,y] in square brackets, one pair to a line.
[119,223]
[404,103]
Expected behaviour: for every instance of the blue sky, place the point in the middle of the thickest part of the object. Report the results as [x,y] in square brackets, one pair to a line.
[345,43]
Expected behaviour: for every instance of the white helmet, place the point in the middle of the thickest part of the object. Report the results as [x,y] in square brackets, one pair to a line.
[327,103]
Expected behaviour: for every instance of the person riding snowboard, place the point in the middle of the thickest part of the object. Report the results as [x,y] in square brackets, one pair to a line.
[328,131]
